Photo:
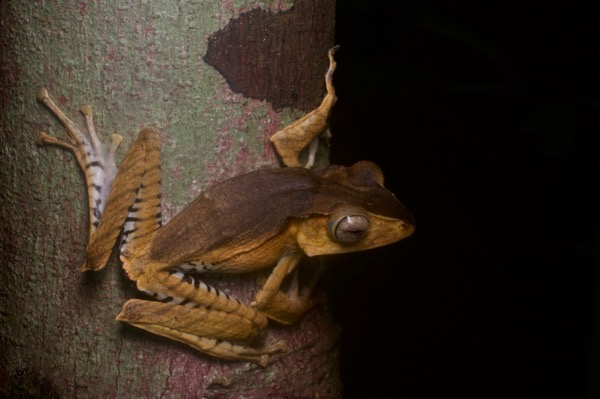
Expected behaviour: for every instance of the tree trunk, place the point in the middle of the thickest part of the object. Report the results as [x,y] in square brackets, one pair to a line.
[218,79]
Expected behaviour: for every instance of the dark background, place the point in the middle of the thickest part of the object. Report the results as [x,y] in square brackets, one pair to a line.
[485,119]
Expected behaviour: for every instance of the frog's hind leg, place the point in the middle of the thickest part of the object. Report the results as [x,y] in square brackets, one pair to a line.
[129,197]
[190,311]
[217,333]
[96,160]
[133,205]
[144,214]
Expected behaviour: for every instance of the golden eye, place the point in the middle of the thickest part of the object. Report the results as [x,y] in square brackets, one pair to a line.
[349,229]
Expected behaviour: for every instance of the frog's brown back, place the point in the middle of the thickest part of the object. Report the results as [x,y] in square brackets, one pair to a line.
[248,208]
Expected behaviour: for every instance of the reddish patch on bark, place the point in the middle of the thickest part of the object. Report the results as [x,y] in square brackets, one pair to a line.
[11,71]
[270,125]
[83,8]
[228,165]
[264,55]
[178,172]
[235,155]
[148,32]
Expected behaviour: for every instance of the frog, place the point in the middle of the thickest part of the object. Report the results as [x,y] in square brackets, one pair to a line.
[269,219]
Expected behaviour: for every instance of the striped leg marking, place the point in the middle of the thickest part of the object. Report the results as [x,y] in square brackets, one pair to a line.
[133,202]
[186,289]
[199,315]
[129,197]
[96,160]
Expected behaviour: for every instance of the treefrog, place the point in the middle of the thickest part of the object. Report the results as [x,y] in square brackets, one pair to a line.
[269,218]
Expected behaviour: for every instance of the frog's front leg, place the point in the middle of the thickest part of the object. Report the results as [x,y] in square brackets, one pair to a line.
[306,131]
[286,307]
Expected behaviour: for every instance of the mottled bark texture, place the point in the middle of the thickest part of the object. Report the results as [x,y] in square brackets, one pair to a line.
[143,63]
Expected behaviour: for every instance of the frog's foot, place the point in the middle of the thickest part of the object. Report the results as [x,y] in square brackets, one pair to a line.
[306,131]
[96,160]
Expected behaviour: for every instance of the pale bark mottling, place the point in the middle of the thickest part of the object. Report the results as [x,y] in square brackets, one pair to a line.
[136,63]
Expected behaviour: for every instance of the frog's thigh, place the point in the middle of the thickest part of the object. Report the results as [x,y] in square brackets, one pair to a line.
[206,330]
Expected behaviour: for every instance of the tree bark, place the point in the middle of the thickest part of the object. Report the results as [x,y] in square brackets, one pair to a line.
[218,79]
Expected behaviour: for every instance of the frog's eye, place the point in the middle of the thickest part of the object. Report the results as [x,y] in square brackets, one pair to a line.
[348,226]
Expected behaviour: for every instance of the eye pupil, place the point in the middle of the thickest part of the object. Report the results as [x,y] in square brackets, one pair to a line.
[351,228]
